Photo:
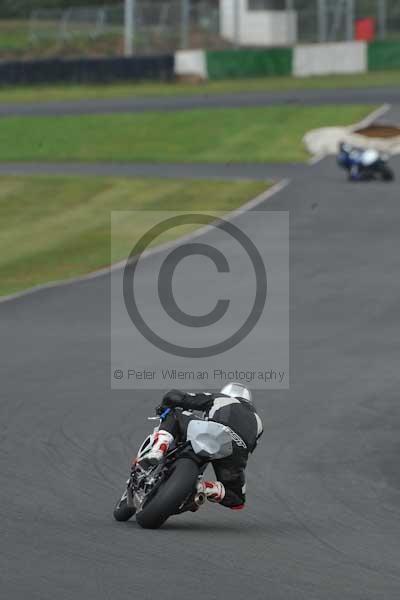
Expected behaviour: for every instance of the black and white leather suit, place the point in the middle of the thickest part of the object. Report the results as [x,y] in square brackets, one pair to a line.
[237,414]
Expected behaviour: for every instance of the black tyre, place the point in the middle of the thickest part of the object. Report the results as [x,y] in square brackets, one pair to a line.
[170,495]
[387,173]
[123,512]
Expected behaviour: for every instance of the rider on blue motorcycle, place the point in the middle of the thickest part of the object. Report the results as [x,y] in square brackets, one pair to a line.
[364,164]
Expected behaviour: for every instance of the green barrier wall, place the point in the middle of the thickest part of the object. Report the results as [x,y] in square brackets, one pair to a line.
[231,64]
[383,56]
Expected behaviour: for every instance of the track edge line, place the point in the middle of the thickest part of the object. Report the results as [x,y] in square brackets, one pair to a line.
[251,204]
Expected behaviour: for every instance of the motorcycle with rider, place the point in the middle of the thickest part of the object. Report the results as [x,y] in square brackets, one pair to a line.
[195,429]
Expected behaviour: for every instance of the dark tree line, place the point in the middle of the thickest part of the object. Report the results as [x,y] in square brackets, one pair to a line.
[23,8]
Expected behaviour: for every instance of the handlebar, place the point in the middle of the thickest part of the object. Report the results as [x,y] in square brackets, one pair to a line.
[162,412]
[165,413]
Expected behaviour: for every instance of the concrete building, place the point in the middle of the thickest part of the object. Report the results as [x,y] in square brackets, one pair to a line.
[255,23]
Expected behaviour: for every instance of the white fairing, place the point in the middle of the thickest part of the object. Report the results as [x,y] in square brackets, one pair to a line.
[369,157]
[146,446]
[209,439]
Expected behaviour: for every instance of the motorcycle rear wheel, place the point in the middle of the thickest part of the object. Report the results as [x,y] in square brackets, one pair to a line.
[387,173]
[170,495]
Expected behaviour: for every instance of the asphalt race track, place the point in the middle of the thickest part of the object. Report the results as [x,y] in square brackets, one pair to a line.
[189,102]
[323,514]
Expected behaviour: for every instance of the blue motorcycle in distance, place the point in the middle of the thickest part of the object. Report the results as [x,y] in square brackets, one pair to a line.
[364,164]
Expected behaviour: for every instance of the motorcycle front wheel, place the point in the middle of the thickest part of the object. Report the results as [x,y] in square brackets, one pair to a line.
[123,512]
[170,495]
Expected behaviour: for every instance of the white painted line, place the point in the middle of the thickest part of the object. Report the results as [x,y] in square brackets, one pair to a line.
[272,191]
[316,159]
[264,196]
[376,114]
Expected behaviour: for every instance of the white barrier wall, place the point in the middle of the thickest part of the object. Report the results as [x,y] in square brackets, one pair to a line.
[191,63]
[257,27]
[326,59]
[308,60]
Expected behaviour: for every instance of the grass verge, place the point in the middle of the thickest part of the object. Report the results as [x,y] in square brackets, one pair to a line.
[55,228]
[265,84]
[272,134]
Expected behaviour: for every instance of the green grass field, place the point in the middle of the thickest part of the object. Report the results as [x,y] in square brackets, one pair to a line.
[252,135]
[266,84]
[56,228]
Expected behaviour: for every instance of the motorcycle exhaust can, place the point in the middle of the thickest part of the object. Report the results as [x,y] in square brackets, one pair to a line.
[199,499]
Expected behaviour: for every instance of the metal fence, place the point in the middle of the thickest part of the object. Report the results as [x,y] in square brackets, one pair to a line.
[334,20]
[65,25]
[154,26]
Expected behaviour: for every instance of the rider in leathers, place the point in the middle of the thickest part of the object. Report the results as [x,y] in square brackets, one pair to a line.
[233,408]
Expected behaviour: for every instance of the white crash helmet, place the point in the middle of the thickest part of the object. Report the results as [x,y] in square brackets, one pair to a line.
[237,390]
